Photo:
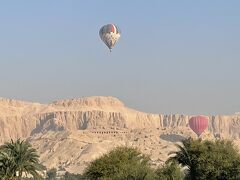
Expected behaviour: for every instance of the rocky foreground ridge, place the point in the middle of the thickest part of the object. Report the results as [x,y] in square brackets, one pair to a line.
[70,133]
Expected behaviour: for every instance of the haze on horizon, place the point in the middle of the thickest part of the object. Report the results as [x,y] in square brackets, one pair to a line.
[173,56]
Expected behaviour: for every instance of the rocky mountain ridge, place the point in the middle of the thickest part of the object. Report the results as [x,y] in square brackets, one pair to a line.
[22,119]
[69,133]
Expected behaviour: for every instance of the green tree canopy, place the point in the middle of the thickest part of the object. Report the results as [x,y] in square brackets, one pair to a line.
[169,171]
[6,166]
[70,176]
[18,157]
[208,159]
[121,163]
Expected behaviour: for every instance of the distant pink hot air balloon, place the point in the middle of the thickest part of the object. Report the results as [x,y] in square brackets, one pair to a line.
[198,124]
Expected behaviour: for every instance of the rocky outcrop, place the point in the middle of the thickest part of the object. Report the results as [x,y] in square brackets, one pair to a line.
[22,119]
[94,101]
[71,133]
[219,126]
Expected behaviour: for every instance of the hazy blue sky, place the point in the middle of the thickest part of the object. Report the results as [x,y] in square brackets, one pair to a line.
[173,56]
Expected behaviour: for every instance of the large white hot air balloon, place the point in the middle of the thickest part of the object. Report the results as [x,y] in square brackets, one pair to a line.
[109,34]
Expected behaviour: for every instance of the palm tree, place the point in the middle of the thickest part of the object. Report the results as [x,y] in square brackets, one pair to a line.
[6,166]
[184,157]
[21,158]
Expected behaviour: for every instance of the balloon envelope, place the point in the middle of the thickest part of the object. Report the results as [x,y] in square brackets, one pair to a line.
[109,34]
[198,124]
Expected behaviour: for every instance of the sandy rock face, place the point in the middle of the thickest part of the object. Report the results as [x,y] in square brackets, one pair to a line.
[71,133]
[95,101]
[22,119]
[219,126]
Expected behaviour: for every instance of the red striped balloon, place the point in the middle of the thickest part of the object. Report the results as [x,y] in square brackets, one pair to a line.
[198,124]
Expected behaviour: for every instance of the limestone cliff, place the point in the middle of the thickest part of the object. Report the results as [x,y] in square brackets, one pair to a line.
[68,134]
[22,119]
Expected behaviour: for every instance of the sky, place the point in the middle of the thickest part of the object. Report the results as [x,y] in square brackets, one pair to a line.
[173,56]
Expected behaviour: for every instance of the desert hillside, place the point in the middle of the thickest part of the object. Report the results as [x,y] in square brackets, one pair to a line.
[70,133]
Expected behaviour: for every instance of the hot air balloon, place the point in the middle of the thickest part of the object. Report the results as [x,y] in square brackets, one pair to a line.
[109,34]
[198,124]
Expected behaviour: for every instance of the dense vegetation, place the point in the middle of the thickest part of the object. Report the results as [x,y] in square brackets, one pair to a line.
[208,159]
[18,158]
[126,163]
[120,163]
[194,160]
[70,176]
[169,171]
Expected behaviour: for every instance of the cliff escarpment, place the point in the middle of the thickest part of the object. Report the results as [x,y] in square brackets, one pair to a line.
[22,119]
[68,134]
